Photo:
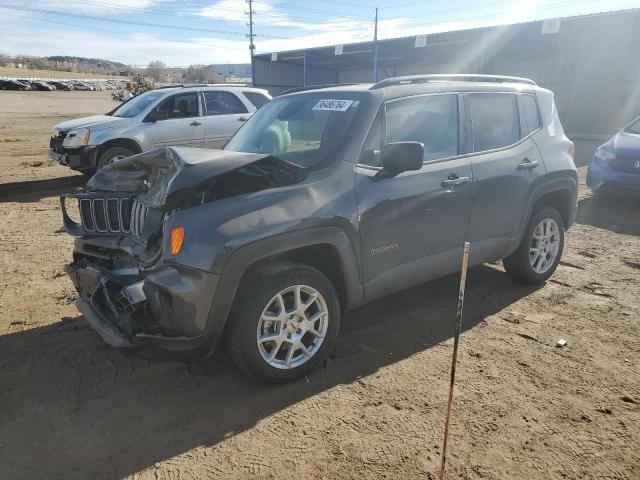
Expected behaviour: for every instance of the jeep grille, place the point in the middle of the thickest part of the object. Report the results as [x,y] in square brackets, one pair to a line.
[105,215]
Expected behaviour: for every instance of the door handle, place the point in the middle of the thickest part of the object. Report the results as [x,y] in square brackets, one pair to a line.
[528,164]
[242,119]
[195,124]
[454,180]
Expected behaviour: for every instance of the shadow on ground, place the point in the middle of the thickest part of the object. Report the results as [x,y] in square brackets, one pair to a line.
[34,190]
[618,214]
[108,414]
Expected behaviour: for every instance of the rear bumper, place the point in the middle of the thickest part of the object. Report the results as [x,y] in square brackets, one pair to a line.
[83,158]
[601,177]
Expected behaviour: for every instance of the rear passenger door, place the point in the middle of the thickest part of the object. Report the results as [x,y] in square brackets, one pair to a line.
[225,113]
[507,167]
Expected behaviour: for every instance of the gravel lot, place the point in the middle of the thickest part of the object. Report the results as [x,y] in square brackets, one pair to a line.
[71,407]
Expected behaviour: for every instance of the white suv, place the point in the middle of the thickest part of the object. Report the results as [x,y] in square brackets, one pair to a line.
[196,116]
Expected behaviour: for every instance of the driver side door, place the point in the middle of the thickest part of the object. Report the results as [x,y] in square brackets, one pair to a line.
[179,122]
[413,225]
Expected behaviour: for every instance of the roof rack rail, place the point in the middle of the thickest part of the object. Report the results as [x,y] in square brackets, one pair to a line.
[412,79]
[314,87]
[190,85]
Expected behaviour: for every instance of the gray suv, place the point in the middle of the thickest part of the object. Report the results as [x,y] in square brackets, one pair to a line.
[324,200]
[193,116]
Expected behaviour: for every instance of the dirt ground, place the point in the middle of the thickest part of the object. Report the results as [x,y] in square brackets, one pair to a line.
[71,407]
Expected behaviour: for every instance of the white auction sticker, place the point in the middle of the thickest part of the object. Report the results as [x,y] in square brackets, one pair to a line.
[333,105]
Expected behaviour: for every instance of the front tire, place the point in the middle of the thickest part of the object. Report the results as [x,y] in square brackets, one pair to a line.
[541,248]
[283,323]
[112,154]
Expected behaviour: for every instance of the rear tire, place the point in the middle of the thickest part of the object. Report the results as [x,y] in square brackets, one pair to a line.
[541,248]
[112,154]
[303,330]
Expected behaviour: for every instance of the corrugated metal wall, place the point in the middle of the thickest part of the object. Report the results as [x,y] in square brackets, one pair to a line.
[592,65]
[278,77]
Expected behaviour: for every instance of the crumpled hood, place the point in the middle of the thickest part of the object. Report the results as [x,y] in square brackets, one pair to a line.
[188,176]
[95,121]
[625,145]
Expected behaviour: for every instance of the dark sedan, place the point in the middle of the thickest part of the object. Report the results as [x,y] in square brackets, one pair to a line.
[615,167]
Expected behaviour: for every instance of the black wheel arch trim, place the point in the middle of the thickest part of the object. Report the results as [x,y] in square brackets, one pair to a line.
[554,184]
[246,256]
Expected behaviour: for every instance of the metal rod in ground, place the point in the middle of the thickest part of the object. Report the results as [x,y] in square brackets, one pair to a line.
[456,340]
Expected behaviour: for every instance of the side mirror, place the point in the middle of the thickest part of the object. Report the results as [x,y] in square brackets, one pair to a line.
[400,157]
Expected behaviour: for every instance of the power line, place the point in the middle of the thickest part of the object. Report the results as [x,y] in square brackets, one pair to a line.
[479,6]
[276,17]
[151,37]
[128,22]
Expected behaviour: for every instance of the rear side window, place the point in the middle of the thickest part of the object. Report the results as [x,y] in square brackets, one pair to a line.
[529,114]
[223,103]
[494,120]
[431,120]
[256,98]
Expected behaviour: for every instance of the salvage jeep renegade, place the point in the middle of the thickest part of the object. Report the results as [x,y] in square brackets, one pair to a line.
[324,200]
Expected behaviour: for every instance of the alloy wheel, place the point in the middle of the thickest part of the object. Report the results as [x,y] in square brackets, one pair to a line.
[292,327]
[545,244]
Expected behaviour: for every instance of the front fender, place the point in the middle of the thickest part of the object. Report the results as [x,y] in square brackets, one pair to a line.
[130,133]
[242,258]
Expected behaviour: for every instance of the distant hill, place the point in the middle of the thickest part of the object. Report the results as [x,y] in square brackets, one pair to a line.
[90,64]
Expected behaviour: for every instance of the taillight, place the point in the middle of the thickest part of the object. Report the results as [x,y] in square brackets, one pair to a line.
[572,151]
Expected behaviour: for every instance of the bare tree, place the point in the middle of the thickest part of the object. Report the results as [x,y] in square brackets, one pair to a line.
[4,59]
[201,74]
[156,70]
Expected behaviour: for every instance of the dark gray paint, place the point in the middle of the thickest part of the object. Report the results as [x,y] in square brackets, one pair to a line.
[387,234]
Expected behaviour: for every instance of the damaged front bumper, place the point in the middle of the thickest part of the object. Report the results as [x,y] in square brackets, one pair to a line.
[83,158]
[168,307]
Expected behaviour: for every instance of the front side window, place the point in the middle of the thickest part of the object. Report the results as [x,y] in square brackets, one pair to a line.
[183,105]
[494,120]
[303,129]
[137,105]
[431,120]
[223,103]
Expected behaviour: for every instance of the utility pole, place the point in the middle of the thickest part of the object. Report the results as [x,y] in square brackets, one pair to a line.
[251,36]
[375,49]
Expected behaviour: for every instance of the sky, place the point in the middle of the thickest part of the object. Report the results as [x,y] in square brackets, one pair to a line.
[186,32]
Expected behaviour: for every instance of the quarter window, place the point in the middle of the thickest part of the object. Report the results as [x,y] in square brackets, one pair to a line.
[223,103]
[529,108]
[494,120]
[256,98]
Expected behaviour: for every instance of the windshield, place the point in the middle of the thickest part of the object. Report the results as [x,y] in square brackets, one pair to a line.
[136,105]
[634,127]
[303,129]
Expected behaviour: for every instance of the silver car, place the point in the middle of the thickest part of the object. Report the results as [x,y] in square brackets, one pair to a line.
[195,116]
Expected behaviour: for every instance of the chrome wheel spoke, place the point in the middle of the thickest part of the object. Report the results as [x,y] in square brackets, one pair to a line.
[274,352]
[271,338]
[315,333]
[290,353]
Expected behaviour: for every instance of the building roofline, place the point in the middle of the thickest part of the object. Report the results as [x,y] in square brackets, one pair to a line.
[264,55]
